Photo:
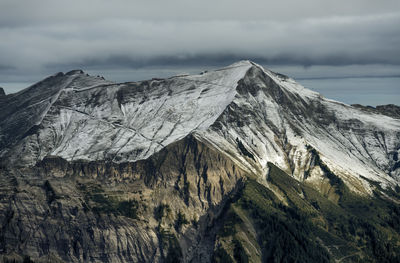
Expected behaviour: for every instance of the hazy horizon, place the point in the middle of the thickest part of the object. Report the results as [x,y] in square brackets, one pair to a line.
[376,90]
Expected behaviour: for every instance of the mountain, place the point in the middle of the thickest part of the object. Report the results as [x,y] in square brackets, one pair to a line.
[237,164]
[390,110]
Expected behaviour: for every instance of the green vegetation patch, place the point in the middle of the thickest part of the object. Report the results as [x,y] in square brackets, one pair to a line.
[169,245]
[180,221]
[310,228]
[100,202]
[161,211]
[284,233]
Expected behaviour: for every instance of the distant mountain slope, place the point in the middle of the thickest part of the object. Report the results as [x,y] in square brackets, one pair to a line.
[390,110]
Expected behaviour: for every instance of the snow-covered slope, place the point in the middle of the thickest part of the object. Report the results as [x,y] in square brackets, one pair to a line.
[251,114]
[90,119]
[279,121]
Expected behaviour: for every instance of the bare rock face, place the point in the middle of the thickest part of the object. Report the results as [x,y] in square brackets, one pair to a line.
[95,171]
[101,211]
[2,92]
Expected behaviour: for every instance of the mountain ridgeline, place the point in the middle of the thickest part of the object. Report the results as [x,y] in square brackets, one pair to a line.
[239,164]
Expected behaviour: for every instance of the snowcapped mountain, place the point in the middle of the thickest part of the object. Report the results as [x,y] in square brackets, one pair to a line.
[274,119]
[238,164]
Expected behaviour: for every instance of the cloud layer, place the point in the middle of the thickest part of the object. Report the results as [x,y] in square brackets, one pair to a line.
[42,37]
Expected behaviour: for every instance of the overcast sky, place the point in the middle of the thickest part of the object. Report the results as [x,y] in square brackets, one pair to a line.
[133,40]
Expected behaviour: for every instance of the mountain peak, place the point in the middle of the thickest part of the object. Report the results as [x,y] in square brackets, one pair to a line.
[75,72]
[81,117]
[242,62]
[109,155]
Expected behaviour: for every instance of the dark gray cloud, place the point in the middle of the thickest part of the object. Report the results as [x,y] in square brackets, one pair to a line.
[16,13]
[220,59]
[128,39]
[6,67]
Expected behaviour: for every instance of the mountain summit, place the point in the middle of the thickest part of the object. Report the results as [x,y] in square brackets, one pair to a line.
[106,155]
[78,117]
